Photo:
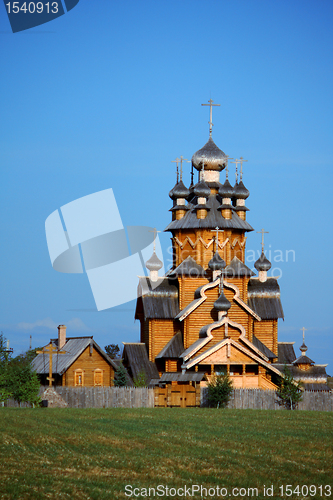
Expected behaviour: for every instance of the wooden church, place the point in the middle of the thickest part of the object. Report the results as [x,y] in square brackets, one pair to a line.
[210,313]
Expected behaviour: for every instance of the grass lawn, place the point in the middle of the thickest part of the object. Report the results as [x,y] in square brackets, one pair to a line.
[94,453]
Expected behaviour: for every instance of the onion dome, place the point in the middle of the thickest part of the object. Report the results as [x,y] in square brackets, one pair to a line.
[303,348]
[262,264]
[179,191]
[222,303]
[154,263]
[201,190]
[226,190]
[240,191]
[216,263]
[212,157]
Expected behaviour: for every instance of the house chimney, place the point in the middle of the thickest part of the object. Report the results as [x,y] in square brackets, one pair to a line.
[61,336]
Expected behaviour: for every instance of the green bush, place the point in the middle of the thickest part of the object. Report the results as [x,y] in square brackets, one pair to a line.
[290,392]
[219,391]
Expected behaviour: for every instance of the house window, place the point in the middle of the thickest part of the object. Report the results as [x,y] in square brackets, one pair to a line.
[78,378]
[98,377]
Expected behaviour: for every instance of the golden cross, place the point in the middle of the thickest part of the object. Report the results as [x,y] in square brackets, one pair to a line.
[262,238]
[51,349]
[155,234]
[210,104]
[177,160]
[241,169]
[304,330]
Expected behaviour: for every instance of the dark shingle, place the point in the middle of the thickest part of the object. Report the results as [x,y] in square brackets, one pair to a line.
[173,348]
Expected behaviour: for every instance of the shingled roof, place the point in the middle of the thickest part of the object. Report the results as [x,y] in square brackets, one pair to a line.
[286,353]
[189,267]
[137,361]
[237,269]
[212,220]
[264,298]
[262,348]
[160,302]
[173,348]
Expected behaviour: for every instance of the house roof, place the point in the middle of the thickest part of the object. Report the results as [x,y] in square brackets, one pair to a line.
[286,353]
[173,348]
[213,219]
[159,301]
[264,298]
[73,348]
[136,358]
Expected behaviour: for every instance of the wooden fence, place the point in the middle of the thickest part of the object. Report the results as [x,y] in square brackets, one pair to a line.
[131,397]
[258,399]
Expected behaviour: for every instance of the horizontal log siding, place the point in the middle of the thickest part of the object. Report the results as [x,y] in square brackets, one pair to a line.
[88,364]
[145,332]
[162,331]
[201,254]
[264,331]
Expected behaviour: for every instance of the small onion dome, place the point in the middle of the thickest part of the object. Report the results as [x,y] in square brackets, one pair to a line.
[211,156]
[222,303]
[303,348]
[240,191]
[179,191]
[262,264]
[154,263]
[216,263]
[201,190]
[226,190]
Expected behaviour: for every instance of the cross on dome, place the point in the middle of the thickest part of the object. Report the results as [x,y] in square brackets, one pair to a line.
[236,162]
[155,234]
[262,238]
[210,104]
[217,229]
[304,330]
[241,168]
[181,159]
[177,160]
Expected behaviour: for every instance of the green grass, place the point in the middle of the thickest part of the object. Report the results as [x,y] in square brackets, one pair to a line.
[93,454]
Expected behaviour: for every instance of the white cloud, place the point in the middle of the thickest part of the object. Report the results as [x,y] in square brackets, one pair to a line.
[73,324]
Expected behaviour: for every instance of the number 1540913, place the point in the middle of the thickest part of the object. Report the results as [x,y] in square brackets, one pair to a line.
[32,7]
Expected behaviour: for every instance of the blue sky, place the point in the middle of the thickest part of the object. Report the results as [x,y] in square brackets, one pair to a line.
[108,94]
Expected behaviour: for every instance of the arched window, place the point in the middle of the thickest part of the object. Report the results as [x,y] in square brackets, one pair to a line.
[98,377]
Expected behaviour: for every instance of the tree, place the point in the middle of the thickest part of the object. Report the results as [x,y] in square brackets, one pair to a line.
[17,378]
[24,383]
[113,351]
[141,379]
[120,376]
[290,391]
[219,391]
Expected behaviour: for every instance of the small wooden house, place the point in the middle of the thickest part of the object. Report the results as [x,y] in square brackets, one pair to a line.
[76,361]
